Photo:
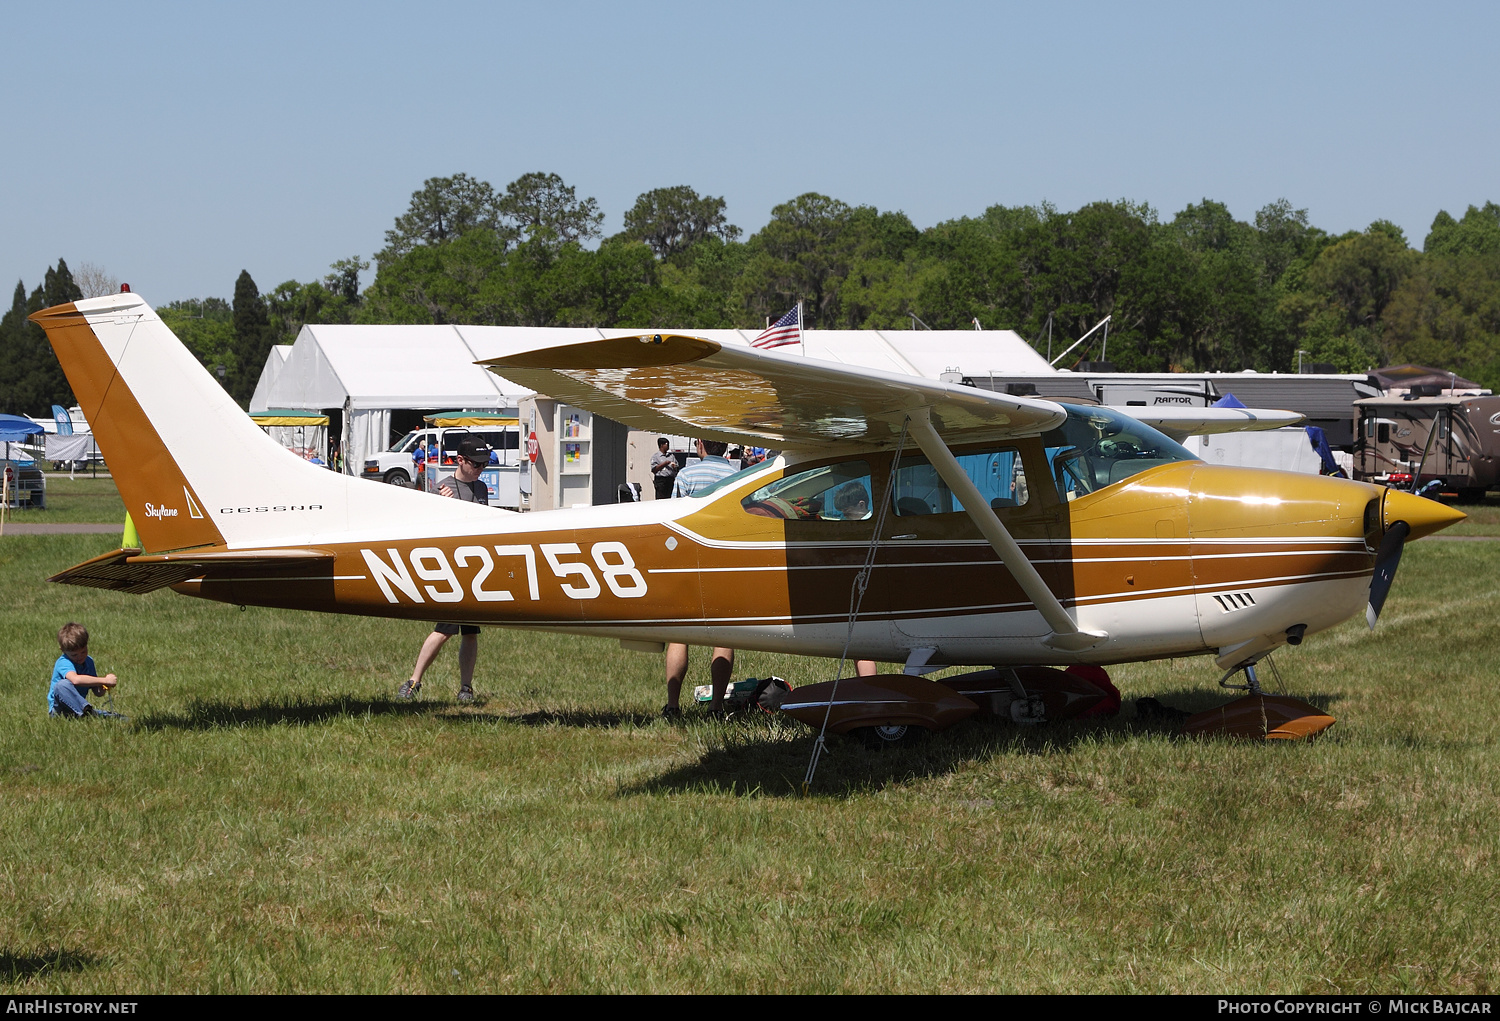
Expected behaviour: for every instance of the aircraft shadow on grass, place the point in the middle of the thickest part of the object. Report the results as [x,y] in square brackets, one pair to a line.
[210,714]
[17,966]
[582,718]
[755,758]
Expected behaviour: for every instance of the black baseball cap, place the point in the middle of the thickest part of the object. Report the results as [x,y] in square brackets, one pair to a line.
[472,448]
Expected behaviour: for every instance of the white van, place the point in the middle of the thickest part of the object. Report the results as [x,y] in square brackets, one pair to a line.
[398,465]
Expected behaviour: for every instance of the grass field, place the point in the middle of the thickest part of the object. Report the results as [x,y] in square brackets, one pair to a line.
[81,499]
[271,820]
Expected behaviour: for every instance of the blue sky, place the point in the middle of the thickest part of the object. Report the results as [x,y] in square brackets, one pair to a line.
[175,144]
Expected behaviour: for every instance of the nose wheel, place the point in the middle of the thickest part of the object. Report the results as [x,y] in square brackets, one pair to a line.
[1259,716]
[1252,680]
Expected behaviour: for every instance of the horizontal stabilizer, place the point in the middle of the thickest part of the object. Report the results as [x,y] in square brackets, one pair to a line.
[127,570]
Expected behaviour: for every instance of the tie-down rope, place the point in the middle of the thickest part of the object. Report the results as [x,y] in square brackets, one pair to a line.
[857,597]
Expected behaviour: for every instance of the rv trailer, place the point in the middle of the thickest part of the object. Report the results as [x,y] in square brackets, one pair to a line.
[1409,440]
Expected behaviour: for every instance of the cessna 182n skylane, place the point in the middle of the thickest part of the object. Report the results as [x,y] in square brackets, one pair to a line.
[1020,533]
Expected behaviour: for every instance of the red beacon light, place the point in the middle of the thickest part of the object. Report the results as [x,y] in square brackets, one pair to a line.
[124,288]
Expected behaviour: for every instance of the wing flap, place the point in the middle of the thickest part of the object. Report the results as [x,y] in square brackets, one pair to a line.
[681,384]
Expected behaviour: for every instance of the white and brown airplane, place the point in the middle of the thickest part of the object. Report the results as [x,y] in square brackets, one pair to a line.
[1008,532]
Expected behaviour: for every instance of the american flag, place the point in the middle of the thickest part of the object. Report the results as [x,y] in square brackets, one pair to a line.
[784,331]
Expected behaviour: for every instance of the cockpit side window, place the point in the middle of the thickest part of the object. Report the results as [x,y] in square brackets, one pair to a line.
[832,492]
[1097,447]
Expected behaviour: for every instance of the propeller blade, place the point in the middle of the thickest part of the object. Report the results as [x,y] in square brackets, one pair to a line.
[1386,561]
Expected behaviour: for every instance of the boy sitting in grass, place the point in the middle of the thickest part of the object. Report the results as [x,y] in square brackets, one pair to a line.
[73,676]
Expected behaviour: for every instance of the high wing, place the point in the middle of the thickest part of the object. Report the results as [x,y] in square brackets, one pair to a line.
[665,382]
[1181,422]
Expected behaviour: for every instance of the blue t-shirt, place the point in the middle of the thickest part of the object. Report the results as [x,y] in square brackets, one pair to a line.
[703,474]
[60,671]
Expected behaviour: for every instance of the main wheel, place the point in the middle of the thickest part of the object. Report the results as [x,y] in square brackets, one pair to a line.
[397,477]
[890,734]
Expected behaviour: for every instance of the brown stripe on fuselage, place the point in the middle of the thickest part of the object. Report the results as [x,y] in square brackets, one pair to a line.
[719,565]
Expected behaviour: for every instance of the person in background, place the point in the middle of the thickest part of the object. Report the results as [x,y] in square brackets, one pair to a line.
[466,485]
[74,675]
[663,469]
[711,467]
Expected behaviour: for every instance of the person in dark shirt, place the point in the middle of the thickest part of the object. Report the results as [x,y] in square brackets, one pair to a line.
[466,485]
[663,469]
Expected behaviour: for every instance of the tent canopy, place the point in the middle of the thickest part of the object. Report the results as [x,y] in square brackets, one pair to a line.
[468,419]
[372,367]
[15,429]
[269,373]
[369,371]
[1404,377]
[385,367]
[925,353]
[286,416]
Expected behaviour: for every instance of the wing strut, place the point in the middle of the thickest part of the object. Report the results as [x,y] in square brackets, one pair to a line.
[1066,634]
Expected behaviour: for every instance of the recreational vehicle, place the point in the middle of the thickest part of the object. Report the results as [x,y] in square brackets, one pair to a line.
[1409,440]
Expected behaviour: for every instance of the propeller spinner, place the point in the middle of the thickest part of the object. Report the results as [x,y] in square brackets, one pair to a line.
[1405,517]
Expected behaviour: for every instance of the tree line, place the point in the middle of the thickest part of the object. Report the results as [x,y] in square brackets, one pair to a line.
[1200,291]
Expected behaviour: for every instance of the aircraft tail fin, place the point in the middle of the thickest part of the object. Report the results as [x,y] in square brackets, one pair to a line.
[168,512]
[192,468]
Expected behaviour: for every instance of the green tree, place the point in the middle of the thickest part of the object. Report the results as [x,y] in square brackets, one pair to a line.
[335,299]
[1446,313]
[443,209]
[542,207]
[447,283]
[1333,305]
[1478,233]
[1283,235]
[673,220]
[969,269]
[693,290]
[31,379]
[206,327]
[816,245]
[1072,264]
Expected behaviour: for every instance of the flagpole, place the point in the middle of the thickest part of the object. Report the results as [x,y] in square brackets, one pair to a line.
[800,338]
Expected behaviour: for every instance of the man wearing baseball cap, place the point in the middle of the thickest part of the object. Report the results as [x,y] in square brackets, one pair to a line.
[466,485]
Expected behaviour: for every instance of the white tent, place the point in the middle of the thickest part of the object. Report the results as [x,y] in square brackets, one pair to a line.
[368,371]
[269,373]
[925,353]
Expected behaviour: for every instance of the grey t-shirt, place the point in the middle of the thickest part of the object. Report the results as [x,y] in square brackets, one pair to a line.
[468,492]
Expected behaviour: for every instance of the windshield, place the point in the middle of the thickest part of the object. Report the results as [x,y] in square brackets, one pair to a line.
[402,445]
[1097,447]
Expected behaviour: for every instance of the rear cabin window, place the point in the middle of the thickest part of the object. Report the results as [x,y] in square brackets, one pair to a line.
[834,492]
[997,474]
